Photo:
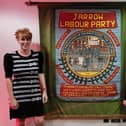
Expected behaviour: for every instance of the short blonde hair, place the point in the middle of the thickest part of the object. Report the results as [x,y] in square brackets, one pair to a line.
[23,33]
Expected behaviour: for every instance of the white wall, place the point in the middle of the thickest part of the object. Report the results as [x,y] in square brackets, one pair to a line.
[15,14]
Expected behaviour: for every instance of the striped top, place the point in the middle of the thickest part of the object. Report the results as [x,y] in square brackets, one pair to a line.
[24,72]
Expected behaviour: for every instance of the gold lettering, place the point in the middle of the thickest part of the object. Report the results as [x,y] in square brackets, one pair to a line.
[87,24]
[76,24]
[75,16]
[90,16]
[71,24]
[82,16]
[61,25]
[102,24]
[92,24]
[113,23]
[86,16]
[67,24]
[98,24]
[98,17]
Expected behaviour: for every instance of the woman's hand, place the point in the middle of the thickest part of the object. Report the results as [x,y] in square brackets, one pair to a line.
[44,97]
[124,102]
[13,104]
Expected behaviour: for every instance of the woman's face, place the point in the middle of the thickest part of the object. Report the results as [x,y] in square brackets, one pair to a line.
[24,43]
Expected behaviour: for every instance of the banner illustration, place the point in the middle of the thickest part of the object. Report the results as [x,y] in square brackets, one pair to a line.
[87,54]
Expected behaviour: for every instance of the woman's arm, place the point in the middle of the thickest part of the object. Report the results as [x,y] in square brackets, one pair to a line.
[43,87]
[12,101]
[8,77]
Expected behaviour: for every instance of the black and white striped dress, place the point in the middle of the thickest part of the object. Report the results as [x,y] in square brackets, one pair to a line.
[24,72]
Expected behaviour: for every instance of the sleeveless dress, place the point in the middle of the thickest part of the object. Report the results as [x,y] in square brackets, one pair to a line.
[24,72]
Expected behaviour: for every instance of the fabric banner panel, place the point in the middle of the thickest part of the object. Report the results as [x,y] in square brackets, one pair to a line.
[84,66]
[88,54]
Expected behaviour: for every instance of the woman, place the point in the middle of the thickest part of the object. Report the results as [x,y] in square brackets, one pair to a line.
[25,80]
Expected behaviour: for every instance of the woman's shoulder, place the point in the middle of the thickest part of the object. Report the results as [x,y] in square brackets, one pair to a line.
[9,54]
[37,52]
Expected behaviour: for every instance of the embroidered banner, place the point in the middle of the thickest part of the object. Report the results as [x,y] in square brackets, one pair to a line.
[87,54]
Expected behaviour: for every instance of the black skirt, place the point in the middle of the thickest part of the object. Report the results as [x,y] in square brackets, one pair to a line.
[28,109]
